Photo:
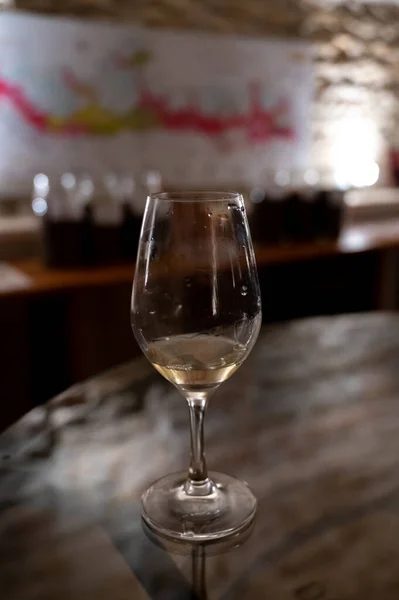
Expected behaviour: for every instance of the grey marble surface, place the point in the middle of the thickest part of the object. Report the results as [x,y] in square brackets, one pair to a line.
[311,421]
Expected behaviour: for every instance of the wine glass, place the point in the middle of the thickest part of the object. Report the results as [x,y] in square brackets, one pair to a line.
[196,314]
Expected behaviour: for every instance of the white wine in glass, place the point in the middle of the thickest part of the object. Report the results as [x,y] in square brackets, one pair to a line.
[196,314]
[193,362]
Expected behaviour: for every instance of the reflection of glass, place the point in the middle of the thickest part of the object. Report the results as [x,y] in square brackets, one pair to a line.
[199,552]
[196,315]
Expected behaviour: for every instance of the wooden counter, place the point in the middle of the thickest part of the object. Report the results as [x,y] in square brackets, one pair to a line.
[353,239]
[62,326]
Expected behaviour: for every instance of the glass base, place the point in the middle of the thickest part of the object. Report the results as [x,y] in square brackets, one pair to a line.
[170,511]
[214,546]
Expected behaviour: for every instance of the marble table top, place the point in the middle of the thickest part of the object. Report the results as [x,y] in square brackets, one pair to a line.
[311,421]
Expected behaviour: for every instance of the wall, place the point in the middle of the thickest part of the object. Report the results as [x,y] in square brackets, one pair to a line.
[100,97]
[356,108]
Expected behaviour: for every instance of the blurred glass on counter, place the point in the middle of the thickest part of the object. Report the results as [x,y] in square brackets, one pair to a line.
[394,163]
[132,217]
[64,219]
[89,221]
[107,220]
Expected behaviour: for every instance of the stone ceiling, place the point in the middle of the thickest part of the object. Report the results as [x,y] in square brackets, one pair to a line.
[251,16]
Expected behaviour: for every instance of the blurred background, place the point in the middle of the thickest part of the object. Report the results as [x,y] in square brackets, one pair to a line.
[294,103]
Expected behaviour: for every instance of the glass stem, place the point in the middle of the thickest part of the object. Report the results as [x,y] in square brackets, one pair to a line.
[198,572]
[198,483]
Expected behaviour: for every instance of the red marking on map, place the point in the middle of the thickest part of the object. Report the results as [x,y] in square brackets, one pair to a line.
[27,109]
[257,125]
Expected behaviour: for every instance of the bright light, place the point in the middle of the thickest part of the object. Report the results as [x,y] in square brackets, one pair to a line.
[257,195]
[41,184]
[354,153]
[39,206]
[68,180]
[358,174]
[311,177]
[367,175]
[354,241]
[86,187]
[153,181]
[282,178]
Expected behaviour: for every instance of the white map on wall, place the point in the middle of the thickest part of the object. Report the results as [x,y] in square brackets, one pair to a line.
[103,97]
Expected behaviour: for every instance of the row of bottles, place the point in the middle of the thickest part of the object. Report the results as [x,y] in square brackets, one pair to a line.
[295,216]
[295,208]
[91,222]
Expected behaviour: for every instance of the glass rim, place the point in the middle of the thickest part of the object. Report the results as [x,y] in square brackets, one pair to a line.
[195,196]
